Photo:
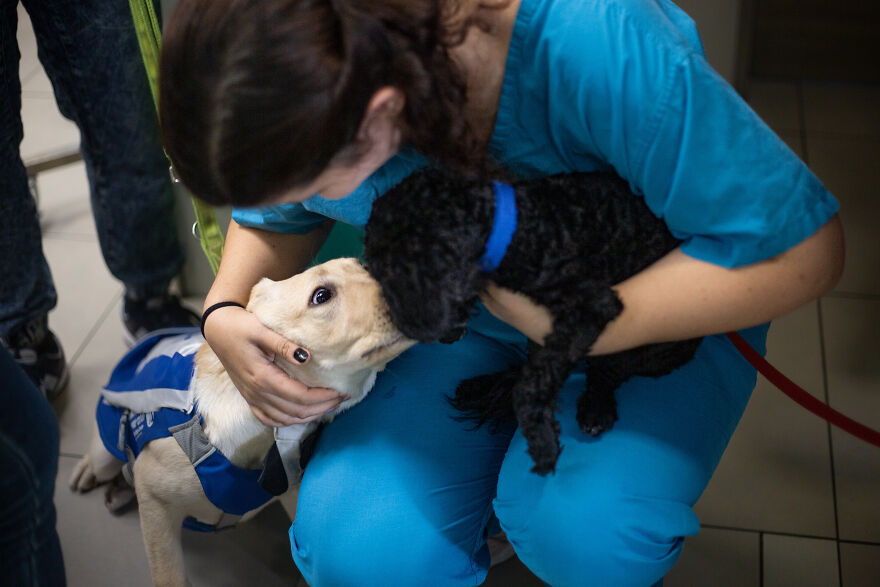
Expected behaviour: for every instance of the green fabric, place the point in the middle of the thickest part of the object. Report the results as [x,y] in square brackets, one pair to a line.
[345,240]
[149,36]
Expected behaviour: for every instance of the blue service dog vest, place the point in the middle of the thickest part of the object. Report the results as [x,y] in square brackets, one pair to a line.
[148,397]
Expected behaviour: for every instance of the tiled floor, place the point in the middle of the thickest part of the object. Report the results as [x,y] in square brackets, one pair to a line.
[792,503]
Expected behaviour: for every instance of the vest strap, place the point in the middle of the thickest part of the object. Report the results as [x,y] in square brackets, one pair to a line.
[193,440]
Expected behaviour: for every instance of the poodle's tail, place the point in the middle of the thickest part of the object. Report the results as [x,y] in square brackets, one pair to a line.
[487,399]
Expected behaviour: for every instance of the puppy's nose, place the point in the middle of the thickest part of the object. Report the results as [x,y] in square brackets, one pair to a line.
[453,336]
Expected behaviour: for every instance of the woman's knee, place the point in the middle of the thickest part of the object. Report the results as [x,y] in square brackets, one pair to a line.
[600,536]
[368,552]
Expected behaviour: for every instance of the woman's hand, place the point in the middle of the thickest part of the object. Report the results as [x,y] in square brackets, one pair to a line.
[519,311]
[247,350]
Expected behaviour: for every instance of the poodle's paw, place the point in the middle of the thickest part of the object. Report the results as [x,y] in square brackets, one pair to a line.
[596,412]
[594,423]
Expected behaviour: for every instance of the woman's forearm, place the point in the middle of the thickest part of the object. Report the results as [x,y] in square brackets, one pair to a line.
[251,254]
[680,297]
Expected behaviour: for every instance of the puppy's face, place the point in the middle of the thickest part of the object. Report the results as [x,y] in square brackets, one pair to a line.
[423,244]
[336,311]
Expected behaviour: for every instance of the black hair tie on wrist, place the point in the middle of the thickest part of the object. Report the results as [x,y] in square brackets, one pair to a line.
[216,306]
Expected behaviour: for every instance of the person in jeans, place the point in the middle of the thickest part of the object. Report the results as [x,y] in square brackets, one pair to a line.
[30,552]
[90,53]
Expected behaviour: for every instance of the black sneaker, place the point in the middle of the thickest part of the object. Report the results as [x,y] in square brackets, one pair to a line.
[143,316]
[37,350]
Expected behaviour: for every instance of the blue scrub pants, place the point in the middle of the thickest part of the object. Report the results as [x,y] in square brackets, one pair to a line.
[400,493]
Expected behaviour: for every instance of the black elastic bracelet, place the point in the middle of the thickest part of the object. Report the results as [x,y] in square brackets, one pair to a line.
[216,306]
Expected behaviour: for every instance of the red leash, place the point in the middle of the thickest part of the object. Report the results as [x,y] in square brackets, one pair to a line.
[791,389]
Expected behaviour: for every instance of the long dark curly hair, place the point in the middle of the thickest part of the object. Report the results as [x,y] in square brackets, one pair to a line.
[257,96]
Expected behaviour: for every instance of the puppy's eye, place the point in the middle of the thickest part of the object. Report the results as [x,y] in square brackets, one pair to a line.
[322,295]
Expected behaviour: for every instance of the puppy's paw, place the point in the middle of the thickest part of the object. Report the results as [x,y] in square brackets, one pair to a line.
[596,413]
[595,423]
[97,467]
[119,495]
[83,478]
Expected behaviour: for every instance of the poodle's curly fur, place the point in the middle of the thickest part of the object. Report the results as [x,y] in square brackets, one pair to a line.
[577,236]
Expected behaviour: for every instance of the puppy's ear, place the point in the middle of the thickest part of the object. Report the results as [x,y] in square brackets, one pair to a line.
[262,291]
[431,300]
[422,244]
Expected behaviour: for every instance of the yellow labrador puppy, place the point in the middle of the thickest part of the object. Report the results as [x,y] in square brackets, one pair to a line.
[336,311]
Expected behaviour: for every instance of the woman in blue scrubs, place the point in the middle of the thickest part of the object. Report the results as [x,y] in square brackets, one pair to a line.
[301,111]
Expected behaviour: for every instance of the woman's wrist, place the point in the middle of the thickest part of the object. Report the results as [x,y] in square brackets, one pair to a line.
[519,311]
[213,307]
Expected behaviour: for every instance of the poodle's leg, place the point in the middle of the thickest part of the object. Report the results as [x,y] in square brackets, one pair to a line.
[597,406]
[487,398]
[534,400]
[579,320]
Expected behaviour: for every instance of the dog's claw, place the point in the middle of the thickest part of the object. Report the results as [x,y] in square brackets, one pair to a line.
[596,425]
[594,421]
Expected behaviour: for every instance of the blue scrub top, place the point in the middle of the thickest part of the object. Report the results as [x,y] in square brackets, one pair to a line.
[624,85]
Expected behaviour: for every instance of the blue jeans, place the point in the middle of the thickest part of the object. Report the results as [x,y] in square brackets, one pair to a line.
[90,52]
[400,493]
[30,553]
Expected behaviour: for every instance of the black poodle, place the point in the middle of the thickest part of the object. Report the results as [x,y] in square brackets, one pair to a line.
[574,236]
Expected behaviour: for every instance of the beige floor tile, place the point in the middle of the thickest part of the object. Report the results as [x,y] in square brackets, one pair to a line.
[85,289]
[88,374]
[37,85]
[101,549]
[777,103]
[65,209]
[852,343]
[775,474]
[254,553]
[849,169]
[27,46]
[720,558]
[46,131]
[860,564]
[98,548]
[805,562]
[842,109]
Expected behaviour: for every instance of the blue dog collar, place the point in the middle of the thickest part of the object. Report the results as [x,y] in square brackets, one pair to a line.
[503,227]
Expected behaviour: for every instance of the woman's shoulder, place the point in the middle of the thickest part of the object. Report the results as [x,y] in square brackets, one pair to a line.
[600,32]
